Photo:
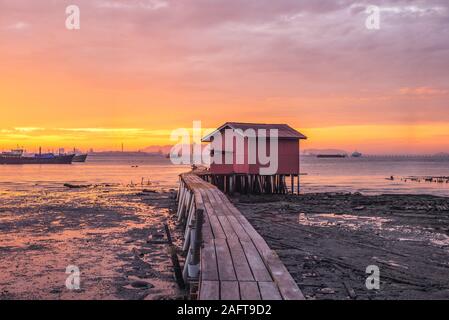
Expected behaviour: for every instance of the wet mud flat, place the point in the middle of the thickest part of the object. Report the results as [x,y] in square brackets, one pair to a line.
[113,234]
[328,240]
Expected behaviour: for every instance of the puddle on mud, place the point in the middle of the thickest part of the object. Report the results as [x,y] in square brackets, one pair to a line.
[380,226]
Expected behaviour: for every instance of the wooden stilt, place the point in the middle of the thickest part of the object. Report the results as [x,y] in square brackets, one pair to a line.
[199,216]
[292,180]
[188,226]
[181,201]
[179,189]
[185,206]
[298,184]
[244,184]
[174,259]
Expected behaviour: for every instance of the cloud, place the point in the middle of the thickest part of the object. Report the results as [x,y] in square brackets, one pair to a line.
[132,4]
[152,63]
[102,130]
[423,91]
[20,25]
[416,11]
[114,132]
[28,129]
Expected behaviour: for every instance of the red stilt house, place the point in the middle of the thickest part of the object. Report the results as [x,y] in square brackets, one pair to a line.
[239,156]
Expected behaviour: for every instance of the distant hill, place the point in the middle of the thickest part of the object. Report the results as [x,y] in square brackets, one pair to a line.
[164,149]
[158,149]
[312,152]
[126,153]
[441,154]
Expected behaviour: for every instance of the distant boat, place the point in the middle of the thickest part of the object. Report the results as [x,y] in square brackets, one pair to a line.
[356,154]
[18,157]
[331,156]
[80,158]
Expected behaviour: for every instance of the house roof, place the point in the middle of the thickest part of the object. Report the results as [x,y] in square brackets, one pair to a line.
[284,130]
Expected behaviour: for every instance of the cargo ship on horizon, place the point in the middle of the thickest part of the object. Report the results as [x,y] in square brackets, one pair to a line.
[19,157]
[331,156]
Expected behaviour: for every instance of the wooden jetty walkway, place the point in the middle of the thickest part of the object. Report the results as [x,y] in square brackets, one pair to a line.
[226,255]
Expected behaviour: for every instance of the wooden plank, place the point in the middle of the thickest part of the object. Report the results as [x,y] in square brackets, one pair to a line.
[210,290]
[215,196]
[214,222]
[226,270]
[206,229]
[245,224]
[245,256]
[216,227]
[229,290]
[209,267]
[211,198]
[235,219]
[255,262]
[238,229]
[249,291]
[220,211]
[229,204]
[241,265]
[218,208]
[256,238]
[269,291]
[286,284]
[235,223]
[227,228]
[198,198]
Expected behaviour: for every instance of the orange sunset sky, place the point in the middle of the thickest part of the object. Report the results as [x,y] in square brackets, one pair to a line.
[136,70]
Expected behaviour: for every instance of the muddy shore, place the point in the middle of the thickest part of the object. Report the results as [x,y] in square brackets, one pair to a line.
[327,241]
[114,234]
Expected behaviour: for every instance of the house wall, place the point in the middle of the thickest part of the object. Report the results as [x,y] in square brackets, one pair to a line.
[242,168]
[288,156]
[288,160]
[223,168]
